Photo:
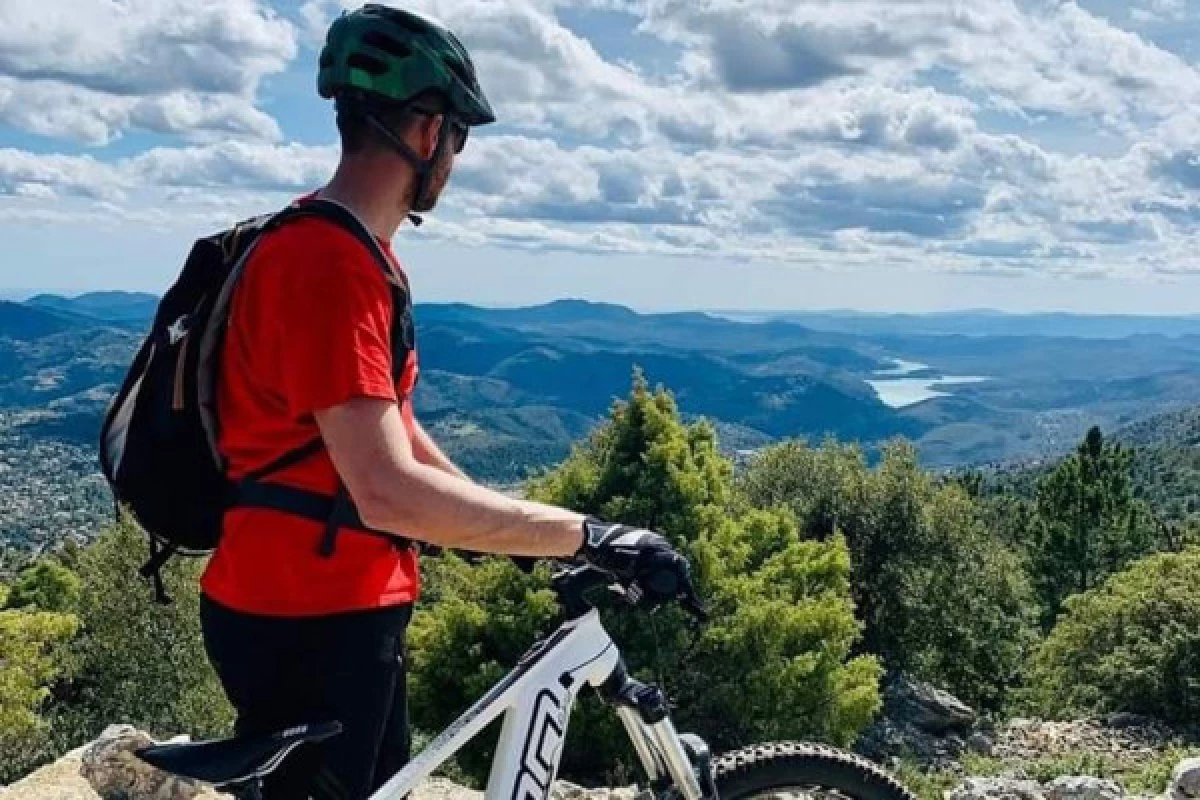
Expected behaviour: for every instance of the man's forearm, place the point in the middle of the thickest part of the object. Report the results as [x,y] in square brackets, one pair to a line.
[394,491]
[428,504]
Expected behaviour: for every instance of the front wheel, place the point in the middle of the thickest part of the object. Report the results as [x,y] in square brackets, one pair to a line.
[800,770]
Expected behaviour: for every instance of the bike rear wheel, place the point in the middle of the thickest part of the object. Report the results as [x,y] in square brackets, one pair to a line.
[802,771]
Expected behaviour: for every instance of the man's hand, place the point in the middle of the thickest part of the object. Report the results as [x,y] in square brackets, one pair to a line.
[638,556]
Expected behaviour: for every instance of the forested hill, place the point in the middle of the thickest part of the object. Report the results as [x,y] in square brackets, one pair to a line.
[1173,429]
[507,390]
[1166,462]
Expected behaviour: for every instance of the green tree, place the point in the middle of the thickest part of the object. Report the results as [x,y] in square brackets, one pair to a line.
[775,659]
[1088,524]
[45,585]
[29,644]
[1130,644]
[136,661]
[939,595]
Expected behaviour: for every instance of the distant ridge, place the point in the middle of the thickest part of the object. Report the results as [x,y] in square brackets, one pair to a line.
[983,322]
[113,306]
[511,388]
[24,323]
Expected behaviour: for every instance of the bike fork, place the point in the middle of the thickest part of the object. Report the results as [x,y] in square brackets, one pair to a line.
[684,759]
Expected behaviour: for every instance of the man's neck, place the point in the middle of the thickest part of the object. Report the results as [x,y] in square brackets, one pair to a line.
[381,213]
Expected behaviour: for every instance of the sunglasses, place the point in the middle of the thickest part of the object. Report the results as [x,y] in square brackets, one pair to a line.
[451,126]
[460,132]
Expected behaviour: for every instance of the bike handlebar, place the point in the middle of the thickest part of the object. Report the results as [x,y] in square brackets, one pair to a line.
[575,585]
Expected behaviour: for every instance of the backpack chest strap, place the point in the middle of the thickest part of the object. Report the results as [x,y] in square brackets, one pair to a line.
[333,511]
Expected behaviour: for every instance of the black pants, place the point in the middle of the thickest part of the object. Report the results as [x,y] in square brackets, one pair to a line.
[345,667]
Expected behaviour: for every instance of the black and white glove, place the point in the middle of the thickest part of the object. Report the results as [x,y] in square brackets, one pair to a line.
[638,557]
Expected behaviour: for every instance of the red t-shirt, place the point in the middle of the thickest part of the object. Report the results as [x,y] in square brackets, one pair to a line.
[309,329]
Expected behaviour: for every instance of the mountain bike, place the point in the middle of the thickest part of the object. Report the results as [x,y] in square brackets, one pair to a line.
[536,698]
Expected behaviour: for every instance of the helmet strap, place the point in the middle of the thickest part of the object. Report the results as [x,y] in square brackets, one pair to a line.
[422,167]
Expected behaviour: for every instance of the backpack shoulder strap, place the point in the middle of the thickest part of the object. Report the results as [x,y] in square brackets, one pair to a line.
[346,219]
[403,332]
[337,511]
[342,510]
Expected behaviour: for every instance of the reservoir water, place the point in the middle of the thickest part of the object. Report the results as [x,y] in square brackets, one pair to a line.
[897,391]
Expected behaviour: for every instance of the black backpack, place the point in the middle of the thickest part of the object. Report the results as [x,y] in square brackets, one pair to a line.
[158,443]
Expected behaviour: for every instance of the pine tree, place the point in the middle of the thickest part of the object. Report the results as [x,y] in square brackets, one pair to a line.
[1088,524]
[775,659]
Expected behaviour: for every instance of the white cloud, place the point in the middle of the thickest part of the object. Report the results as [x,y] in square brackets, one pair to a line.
[222,170]
[41,176]
[921,134]
[1048,57]
[89,69]
[56,109]
[234,165]
[1160,11]
[140,47]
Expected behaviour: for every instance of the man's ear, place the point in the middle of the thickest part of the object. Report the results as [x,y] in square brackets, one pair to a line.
[428,132]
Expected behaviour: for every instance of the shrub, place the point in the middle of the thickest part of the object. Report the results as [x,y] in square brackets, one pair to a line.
[29,644]
[940,597]
[1131,644]
[136,661]
[47,586]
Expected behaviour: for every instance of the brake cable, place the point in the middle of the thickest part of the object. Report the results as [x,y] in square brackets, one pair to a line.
[658,666]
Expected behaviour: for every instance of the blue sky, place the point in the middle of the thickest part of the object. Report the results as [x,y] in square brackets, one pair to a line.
[876,154]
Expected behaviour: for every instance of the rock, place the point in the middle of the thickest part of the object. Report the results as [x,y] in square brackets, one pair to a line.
[442,789]
[107,769]
[1083,788]
[1136,745]
[919,722]
[928,708]
[58,781]
[1185,782]
[115,773]
[980,744]
[996,789]
[564,790]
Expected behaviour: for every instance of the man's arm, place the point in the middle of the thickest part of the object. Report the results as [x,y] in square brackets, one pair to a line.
[427,452]
[393,491]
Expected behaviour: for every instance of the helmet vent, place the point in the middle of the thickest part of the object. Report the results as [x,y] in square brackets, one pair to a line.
[366,63]
[381,41]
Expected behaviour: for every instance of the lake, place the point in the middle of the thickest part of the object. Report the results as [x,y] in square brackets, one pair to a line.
[900,392]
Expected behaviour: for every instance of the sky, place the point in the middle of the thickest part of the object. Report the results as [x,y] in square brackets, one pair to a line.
[739,154]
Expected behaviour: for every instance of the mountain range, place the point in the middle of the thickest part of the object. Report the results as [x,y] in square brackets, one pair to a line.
[983,322]
[510,389]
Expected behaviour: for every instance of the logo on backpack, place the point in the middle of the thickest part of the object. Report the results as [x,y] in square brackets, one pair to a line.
[177,330]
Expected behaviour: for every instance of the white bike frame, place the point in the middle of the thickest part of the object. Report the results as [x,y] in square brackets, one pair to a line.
[536,699]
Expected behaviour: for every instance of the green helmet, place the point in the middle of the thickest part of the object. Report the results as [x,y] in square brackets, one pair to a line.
[385,55]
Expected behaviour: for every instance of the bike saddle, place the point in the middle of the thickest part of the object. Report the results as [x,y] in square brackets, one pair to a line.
[221,762]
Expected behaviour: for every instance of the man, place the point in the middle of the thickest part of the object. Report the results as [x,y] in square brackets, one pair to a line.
[298,632]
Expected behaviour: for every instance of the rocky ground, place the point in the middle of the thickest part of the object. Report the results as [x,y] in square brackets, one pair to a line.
[940,749]
[108,770]
[933,743]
